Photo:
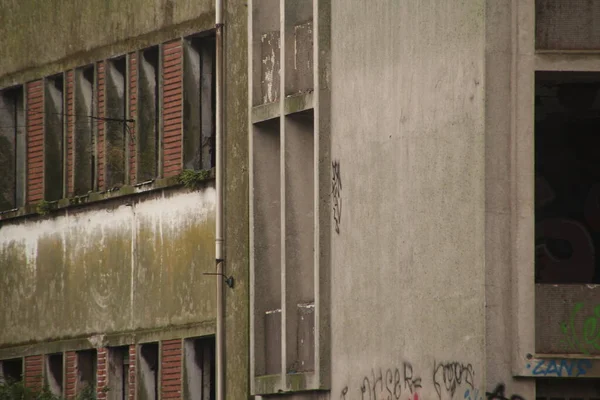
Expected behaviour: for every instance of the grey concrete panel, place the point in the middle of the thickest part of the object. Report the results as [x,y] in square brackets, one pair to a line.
[567,319]
[265,47]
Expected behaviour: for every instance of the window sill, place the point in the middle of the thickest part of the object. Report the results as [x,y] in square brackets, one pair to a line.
[296,382]
[292,104]
[43,208]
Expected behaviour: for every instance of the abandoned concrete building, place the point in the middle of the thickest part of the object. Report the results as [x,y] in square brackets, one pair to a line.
[404,197]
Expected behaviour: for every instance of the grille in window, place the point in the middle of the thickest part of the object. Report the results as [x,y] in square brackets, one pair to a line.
[567,24]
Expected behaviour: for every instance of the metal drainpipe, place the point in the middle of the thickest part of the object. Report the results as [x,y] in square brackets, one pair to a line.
[219,198]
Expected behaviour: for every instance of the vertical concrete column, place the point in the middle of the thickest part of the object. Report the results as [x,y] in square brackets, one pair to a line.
[35,141]
[172,101]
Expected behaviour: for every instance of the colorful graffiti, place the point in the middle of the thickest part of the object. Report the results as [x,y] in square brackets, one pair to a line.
[585,339]
[560,368]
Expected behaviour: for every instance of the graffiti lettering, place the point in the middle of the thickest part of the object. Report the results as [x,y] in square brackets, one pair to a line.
[498,394]
[387,385]
[336,191]
[560,368]
[473,394]
[447,377]
[588,338]
[410,383]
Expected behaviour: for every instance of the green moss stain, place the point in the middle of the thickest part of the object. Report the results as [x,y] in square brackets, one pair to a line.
[71,279]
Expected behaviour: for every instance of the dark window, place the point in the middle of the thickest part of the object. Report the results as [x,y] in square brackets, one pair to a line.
[86,370]
[567,177]
[148,114]
[84,157]
[200,368]
[12,148]
[118,373]
[199,103]
[54,373]
[149,371]
[11,370]
[54,137]
[115,125]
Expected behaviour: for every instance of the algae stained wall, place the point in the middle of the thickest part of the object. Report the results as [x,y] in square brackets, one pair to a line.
[37,33]
[132,266]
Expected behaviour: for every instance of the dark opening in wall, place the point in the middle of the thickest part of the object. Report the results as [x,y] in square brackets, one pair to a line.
[54,373]
[54,137]
[200,368]
[567,177]
[199,102]
[567,389]
[86,369]
[11,370]
[83,170]
[148,114]
[116,128]
[12,148]
[149,371]
[118,373]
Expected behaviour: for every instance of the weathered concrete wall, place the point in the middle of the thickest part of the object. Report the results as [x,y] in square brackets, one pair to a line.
[408,271]
[109,270]
[38,33]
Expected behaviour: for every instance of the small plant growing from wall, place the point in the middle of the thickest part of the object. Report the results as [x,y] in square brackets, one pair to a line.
[193,179]
[43,207]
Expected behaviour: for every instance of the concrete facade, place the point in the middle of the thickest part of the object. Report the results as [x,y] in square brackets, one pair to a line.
[424,270]
[408,142]
[103,249]
[380,199]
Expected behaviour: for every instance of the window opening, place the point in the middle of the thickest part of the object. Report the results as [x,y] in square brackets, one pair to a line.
[567,177]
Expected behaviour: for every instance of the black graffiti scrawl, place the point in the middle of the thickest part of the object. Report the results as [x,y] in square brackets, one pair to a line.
[336,191]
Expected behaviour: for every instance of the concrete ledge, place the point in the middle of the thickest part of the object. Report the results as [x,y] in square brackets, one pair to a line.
[46,208]
[203,328]
[292,104]
[272,384]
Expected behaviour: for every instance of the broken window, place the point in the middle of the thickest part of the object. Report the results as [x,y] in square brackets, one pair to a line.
[199,103]
[84,130]
[115,124]
[54,373]
[149,371]
[567,177]
[200,368]
[11,370]
[86,370]
[118,373]
[148,114]
[12,148]
[54,137]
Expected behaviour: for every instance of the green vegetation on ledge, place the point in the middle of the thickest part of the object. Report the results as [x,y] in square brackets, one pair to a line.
[16,390]
[193,179]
